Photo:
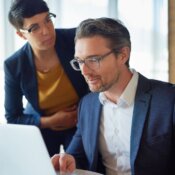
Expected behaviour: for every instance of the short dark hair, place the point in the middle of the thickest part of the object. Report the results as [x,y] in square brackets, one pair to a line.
[21,9]
[111,29]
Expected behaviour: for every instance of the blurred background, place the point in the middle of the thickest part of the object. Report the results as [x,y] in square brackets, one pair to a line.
[147,21]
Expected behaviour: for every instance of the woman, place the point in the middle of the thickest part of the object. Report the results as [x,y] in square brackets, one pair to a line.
[40,71]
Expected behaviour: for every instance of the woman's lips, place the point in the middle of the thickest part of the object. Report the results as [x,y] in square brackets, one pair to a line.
[48,41]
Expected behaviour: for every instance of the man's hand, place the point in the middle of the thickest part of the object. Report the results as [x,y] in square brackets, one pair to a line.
[63,162]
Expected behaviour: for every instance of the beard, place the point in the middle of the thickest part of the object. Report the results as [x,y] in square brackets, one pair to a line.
[102,86]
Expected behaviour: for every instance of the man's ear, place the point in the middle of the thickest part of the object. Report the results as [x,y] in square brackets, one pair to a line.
[21,35]
[125,53]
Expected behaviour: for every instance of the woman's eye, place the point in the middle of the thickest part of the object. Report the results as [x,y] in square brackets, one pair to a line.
[49,19]
[34,28]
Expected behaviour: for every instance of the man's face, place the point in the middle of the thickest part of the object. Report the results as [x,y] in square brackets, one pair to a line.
[44,37]
[107,75]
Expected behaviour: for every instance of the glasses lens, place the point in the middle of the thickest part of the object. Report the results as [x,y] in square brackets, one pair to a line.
[93,63]
[74,63]
[51,18]
[34,29]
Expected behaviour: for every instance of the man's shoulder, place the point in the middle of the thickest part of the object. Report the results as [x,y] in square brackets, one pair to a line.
[162,85]
[155,83]
[155,87]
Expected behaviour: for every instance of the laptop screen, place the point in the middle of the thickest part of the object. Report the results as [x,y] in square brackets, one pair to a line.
[23,151]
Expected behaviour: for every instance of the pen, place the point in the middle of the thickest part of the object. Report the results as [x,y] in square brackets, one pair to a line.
[62,149]
[63,173]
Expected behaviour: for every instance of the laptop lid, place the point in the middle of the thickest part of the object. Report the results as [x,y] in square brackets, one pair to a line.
[23,151]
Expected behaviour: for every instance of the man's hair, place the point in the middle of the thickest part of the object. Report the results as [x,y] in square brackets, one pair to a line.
[21,9]
[113,30]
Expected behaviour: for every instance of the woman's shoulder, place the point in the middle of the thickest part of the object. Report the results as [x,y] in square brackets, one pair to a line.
[65,31]
[65,34]
[19,54]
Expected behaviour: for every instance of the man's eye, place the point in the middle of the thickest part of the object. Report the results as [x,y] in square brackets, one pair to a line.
[93,59]
[80,61]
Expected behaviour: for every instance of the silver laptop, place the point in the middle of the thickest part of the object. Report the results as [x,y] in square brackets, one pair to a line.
[23,151]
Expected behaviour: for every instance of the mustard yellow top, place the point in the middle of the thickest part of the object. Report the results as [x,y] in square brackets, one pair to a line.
[55,90]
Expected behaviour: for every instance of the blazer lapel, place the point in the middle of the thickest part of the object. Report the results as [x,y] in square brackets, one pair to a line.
[141,106]
[95,113]
[29,80]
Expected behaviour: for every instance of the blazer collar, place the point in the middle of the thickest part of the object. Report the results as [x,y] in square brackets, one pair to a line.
[28,75]
[141,106]
[95,112]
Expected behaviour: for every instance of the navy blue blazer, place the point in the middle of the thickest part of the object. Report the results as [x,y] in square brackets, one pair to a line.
[152,134]
[21,78]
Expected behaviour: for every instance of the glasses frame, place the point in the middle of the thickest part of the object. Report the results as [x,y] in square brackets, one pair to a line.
[29,30]
[95,59]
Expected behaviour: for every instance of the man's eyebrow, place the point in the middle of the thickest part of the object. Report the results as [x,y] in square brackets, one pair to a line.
[90,56]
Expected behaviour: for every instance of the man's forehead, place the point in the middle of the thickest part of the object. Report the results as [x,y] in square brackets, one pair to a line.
[89,44]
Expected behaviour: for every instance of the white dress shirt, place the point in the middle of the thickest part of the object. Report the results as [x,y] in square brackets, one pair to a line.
[115,130]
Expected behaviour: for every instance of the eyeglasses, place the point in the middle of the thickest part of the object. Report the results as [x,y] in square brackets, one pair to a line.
[92,63]
[36,28]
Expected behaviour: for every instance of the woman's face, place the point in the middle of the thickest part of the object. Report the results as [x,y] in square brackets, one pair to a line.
[42,35]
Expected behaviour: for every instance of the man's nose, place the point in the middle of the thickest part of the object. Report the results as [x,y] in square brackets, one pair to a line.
[85,69]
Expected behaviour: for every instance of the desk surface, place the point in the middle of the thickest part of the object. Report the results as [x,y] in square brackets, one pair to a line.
[80,172]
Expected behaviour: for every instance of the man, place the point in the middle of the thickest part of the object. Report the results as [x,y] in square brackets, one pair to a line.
[40,72]
[127,125]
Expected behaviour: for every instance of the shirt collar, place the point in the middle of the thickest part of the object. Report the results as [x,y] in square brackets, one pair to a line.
[128,95]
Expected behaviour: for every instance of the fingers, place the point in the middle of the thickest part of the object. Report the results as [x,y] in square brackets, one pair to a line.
[55,161]
[66,163]
[59,128]
[63,162]
[71,108]
[63,120]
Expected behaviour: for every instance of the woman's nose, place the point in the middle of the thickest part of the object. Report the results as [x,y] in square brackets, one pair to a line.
[44,29]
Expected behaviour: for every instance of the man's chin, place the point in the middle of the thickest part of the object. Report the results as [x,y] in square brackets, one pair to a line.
[97,89]
[93,89]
